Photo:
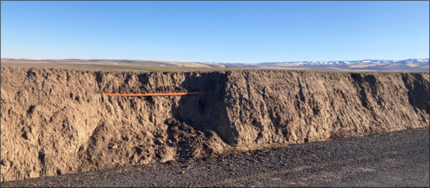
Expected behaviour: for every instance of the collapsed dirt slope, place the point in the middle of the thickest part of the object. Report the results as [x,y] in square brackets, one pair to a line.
[56,121]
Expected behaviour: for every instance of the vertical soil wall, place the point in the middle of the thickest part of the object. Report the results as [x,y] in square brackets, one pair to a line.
[56,121]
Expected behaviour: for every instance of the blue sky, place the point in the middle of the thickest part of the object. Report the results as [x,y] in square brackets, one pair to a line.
[209,31]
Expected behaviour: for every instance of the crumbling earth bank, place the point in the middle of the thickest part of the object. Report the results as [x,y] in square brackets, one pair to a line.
[56,121]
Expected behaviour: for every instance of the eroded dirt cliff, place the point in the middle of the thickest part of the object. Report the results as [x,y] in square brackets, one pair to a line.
[56,121]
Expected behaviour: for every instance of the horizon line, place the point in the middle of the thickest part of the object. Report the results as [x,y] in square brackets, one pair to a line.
[212,61]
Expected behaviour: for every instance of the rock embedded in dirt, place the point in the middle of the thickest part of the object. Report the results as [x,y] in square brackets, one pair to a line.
[57,121]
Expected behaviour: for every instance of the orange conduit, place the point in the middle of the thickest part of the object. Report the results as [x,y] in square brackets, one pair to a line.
[151,94]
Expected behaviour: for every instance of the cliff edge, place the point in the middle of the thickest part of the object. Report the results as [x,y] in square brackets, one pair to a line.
[57,121]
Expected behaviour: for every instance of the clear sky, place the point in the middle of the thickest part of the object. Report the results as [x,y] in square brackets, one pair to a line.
[209,31]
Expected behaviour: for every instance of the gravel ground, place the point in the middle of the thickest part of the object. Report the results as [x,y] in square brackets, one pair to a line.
[392,159]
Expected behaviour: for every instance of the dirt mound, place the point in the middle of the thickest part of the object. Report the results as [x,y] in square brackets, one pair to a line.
[56,121]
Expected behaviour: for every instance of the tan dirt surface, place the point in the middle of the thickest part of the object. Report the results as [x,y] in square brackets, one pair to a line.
[57,121]
[393,159]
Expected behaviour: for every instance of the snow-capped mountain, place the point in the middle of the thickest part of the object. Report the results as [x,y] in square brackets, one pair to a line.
[366,61]
[420,65]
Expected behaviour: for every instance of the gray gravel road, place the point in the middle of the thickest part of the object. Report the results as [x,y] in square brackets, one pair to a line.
[391,159]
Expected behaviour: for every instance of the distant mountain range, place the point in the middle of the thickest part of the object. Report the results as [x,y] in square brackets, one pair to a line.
[366,61]
[363,65]
[410,65]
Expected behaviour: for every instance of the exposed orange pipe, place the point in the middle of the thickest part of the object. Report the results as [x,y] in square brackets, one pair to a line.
[151,94]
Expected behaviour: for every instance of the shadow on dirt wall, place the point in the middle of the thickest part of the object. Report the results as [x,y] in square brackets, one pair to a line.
[418,91]
[205,112]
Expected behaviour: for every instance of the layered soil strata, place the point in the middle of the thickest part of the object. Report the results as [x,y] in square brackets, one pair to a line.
[56,121]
